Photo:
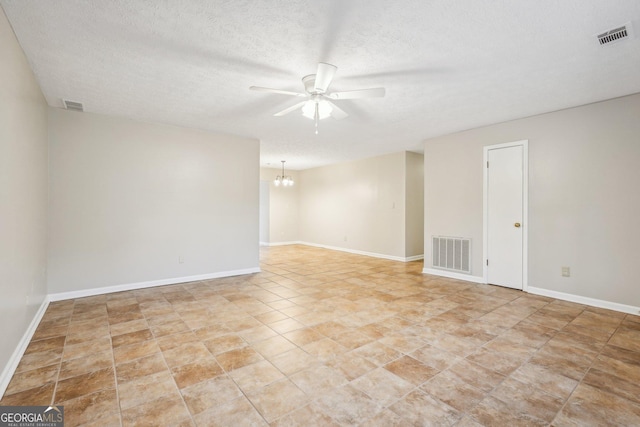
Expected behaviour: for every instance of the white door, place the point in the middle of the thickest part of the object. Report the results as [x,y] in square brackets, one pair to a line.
[505,200]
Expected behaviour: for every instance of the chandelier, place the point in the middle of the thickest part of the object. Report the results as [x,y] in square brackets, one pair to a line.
[283,179]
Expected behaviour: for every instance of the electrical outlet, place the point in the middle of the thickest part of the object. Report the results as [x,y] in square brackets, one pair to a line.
[345,237]
[180,259]
[566,272]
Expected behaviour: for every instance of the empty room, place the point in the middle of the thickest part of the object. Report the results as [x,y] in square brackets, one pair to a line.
[319,213]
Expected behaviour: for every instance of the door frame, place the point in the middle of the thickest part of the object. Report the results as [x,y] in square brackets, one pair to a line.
[525,208]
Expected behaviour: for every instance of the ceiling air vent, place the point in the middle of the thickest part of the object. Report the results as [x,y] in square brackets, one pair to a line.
[73,105]
[615,35]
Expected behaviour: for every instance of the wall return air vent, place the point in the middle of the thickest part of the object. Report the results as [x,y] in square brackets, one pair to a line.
[615,35]
[451,253]
[73,105]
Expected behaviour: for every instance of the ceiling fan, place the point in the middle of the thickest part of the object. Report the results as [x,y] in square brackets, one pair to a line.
[319,103]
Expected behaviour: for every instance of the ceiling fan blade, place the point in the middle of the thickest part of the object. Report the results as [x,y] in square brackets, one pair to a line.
[324,75]
[377,92]
[281,92]
[336,112]
[290,109]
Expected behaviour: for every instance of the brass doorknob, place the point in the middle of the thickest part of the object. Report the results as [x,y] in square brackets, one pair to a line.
[516,225]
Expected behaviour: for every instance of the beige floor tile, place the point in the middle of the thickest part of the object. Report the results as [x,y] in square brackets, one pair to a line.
[377,353]
[527,401]
[82,385]
[215,392]
[348,405]
[412,370]
[502,363]
[293,361]
[351,366]
[169,328]
[493,412]
[605,381]
[172,341]
[277,399]
[39,359]
[37,396]
[435,357]
[382,386]
[192,373]
[86,349]
[329,338]
[144,389]
[97,407]
[309,415]
[325,349]
[627,338]
[255,376]
[273,346]
[453,391]
[84,365]
[589,406]
[476,375]
[238,412]
[140,367]
[271,317]
[183,354]
[224,343]
[546,380]
[128,327]
[34,378]
[304,336]
[421,409]
[238,358]
[167,410]
[318,380]
[286,325]
[331,328]
[386,418]
[47,344]
[131,352]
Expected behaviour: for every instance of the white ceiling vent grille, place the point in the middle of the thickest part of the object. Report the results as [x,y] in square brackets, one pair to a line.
[73,105]
[615,35]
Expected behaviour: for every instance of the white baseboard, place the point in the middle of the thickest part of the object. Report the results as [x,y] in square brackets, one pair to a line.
[284,243]
[357,252]
[585,300]
[454,275]
[14,360]
[141,285]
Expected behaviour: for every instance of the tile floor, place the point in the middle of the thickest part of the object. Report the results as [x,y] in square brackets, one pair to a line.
[327,338]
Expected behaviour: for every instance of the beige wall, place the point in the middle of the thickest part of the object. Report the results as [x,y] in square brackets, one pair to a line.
[283,206]
[23,196]
[583,196]
[414,211]
[129,198]
[359,205]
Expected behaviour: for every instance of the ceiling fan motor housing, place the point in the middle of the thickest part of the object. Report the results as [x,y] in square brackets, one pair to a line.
[310,83]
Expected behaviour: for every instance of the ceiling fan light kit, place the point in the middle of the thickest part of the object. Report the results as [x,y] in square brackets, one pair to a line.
[318,105]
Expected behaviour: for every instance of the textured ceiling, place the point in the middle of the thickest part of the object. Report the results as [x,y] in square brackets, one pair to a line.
[447,65]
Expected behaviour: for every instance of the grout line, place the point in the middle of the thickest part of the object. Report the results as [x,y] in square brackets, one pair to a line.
[64,345]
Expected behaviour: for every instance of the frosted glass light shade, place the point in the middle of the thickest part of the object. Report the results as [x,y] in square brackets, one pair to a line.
[309,109]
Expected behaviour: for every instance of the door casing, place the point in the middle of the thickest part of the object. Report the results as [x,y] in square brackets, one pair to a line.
[525,209]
